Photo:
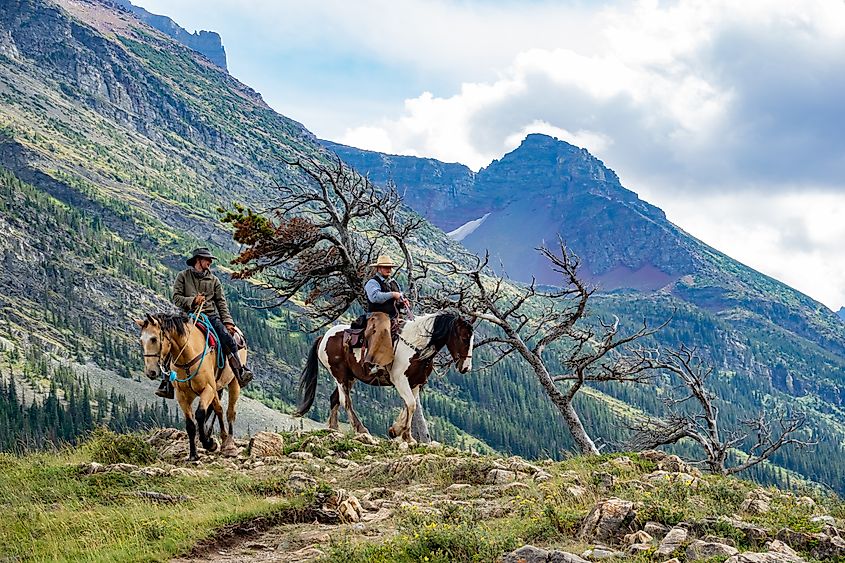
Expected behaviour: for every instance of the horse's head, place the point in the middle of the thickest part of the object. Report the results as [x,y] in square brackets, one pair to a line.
[459,343]
[155,345]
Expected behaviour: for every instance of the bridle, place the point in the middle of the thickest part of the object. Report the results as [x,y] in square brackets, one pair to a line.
[163,363]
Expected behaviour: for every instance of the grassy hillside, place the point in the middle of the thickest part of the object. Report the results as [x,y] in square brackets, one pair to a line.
[326,496]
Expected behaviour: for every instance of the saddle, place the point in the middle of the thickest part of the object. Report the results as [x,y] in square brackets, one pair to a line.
[353,337]
[212,340]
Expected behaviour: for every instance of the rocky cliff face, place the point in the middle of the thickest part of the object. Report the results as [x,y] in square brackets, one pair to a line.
[207,43]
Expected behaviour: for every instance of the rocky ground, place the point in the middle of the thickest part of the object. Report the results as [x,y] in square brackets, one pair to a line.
[378,500]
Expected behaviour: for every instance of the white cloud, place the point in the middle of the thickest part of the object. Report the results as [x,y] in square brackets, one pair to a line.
[793,238]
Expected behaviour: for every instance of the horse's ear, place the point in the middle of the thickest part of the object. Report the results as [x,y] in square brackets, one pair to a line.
[151,320]
[139,322]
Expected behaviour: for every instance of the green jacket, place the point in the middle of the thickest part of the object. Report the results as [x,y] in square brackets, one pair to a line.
[189,284]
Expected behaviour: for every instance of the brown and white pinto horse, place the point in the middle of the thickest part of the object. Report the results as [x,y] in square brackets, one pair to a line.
[413,361]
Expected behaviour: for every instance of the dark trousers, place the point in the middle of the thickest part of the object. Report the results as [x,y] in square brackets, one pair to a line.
[226,340]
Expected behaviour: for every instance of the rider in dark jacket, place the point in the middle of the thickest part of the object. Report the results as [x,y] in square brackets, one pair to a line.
[197,287]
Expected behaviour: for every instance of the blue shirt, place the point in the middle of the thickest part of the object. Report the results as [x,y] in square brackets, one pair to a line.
[374,292]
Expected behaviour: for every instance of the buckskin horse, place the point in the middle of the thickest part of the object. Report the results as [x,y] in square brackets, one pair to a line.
[418,343]
[175,339]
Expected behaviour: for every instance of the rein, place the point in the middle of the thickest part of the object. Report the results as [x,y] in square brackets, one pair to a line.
[209,331]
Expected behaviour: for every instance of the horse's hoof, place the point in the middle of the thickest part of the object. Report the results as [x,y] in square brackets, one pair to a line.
[192,458]
[391,432]
[230,451]
[403,446]
[211,446]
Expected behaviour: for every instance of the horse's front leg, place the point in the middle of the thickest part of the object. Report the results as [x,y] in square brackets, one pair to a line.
[190,423]
[207,397]
[402,427]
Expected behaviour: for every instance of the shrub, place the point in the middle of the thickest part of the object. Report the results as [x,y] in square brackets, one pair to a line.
[106,446]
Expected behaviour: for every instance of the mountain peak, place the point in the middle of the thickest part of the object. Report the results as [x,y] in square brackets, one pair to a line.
[207,43]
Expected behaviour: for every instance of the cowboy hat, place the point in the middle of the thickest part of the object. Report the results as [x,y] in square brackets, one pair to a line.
[199,253]
[383,261]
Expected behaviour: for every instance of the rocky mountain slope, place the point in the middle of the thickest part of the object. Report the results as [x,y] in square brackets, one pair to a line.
[325,496]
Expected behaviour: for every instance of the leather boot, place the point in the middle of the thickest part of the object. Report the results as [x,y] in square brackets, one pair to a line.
[165,390]
[242,372]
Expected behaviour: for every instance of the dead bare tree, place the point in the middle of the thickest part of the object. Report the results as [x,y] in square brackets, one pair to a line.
[547,328]
[766,432]
[326,225]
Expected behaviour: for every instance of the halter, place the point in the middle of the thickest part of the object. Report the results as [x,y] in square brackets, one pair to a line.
[201,318]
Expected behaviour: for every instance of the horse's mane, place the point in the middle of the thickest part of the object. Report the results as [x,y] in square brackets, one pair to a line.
[170,322]
[444,324]
[433,330]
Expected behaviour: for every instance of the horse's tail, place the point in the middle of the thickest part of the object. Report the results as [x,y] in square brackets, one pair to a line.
[308,381]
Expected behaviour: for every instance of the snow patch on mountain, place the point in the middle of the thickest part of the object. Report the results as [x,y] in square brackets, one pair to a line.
[466,229]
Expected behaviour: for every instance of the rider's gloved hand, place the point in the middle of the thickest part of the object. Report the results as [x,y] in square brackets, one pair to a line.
[199,299]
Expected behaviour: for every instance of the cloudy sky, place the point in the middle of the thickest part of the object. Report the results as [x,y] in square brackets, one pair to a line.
[728,115]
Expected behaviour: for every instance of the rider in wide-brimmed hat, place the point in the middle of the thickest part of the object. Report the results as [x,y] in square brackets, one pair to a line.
[383,292]
[383,296]
[196,287]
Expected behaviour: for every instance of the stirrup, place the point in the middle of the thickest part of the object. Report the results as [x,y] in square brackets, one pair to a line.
[165,390]
[244,376]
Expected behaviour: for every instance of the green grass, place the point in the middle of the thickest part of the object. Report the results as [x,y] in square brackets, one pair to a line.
[49,511]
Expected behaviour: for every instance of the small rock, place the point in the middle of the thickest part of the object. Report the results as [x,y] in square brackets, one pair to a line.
[699,549]
[826,519]
[299,481]
[638,537]
[500,476]
[369,505]
[673,540]
[771,557]
[527,554]
[608,520]
[521,466]
[755,506]
[542,476]
[637,548]
[350,509]
[778,546]
[91,468]
[367,439]
[458,487]
[515,487]
[265,444]
[301,455]
[601,552]
[576,491]
[188,472]
[623,462]
[655,529]
[153,471]
[806,502]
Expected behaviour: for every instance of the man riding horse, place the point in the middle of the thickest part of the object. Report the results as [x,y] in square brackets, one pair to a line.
[197,287]
[383,296]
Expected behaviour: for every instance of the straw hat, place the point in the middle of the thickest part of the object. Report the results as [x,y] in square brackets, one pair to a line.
[383,261]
